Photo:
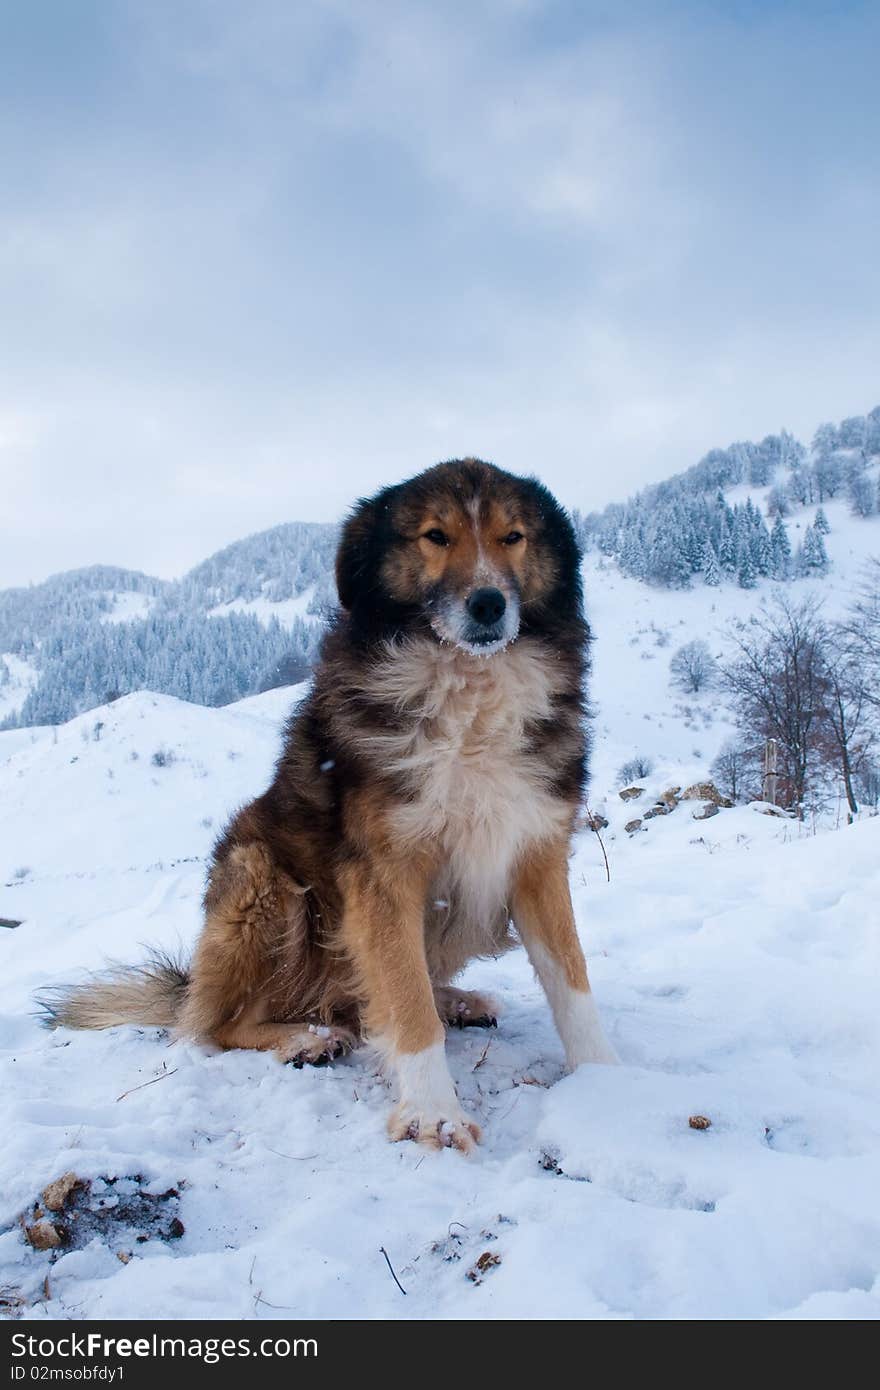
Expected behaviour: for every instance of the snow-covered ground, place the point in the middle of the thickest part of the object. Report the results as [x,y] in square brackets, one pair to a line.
[285,610]
[128,605]
[17,685]
[735,960]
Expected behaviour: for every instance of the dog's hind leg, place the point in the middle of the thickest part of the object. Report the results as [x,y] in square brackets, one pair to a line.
[298,1043]
[544,919]
[465,1008]
[251,985]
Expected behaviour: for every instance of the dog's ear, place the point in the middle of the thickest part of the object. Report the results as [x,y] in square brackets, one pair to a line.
[355,555]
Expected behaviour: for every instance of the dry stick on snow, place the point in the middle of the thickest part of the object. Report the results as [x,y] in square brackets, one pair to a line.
[597,832]
[284,1307]
[477,1065]
[296,1158]
[152,1081]
[384,1252]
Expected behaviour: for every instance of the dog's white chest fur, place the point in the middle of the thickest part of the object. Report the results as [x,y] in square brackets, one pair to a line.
[476,788]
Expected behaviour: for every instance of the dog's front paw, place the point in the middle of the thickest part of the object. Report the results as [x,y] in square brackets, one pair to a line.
[452,1131]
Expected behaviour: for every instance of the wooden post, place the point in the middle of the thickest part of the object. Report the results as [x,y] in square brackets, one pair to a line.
[771,778]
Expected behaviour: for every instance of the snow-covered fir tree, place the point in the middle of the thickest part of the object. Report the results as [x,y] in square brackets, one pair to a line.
[745,570]
[780,550]
[660,534]
[812,557]
[710,566]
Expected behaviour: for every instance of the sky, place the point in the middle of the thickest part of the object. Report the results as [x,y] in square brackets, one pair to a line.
[257,260]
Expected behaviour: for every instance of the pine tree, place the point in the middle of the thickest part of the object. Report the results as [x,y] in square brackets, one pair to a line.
[812,557]
[821,522]
[727,544]
[746,576]
[711,567]
[759,544]
[780,550]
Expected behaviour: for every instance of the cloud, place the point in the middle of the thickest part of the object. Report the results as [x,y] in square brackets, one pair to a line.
[256,260]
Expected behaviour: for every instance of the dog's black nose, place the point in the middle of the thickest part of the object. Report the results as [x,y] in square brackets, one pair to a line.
[486,606]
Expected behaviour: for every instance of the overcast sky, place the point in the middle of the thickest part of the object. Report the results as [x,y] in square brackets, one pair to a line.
[259,258]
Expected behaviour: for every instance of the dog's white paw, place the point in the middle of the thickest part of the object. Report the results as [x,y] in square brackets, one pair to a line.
[435,1131]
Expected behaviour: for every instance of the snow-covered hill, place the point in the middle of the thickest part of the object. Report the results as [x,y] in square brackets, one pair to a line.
[734,959]
[638,628]
[243,620]
[251,616]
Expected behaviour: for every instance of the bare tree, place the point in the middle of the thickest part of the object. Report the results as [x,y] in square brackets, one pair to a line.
[777,679]
[868,783]
[735,769]
[693,667]
[846,729]
[862,628]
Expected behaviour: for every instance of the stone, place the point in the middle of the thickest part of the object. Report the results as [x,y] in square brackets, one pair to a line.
[707,809]
[42,1235]
[632,826]
[630,793]
[706,791]
[57,1193]
[661,809]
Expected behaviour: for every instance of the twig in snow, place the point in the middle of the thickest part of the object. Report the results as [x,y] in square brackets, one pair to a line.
[285,1307]
[477,1065]
[152,1080]
[384,1252]
[598,835]
[297,1158]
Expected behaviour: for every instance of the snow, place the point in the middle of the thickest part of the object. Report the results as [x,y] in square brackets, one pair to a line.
[14,691]
[638,629]
[128,606]
[734,960]
[285,610]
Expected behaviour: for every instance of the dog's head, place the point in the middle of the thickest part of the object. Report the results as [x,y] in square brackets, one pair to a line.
[463,550]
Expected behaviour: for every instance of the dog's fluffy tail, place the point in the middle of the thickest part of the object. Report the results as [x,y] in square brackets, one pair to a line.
[151,994]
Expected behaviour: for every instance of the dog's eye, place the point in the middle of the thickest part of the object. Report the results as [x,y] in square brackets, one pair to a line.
[513,538]
[437,537]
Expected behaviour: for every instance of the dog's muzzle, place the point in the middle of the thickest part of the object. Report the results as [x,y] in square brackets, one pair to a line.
[485,610]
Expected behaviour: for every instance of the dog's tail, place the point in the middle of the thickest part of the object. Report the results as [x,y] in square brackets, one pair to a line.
[151,994]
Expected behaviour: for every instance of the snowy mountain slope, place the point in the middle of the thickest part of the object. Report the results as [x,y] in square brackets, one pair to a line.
[246,618]
[284,609]
[281,580]
[17,680]
[128,607]
[734,960]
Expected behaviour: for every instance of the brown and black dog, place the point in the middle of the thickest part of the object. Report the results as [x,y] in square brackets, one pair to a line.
[422,807]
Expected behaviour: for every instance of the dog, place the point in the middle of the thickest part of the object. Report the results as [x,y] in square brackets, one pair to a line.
[421,808]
